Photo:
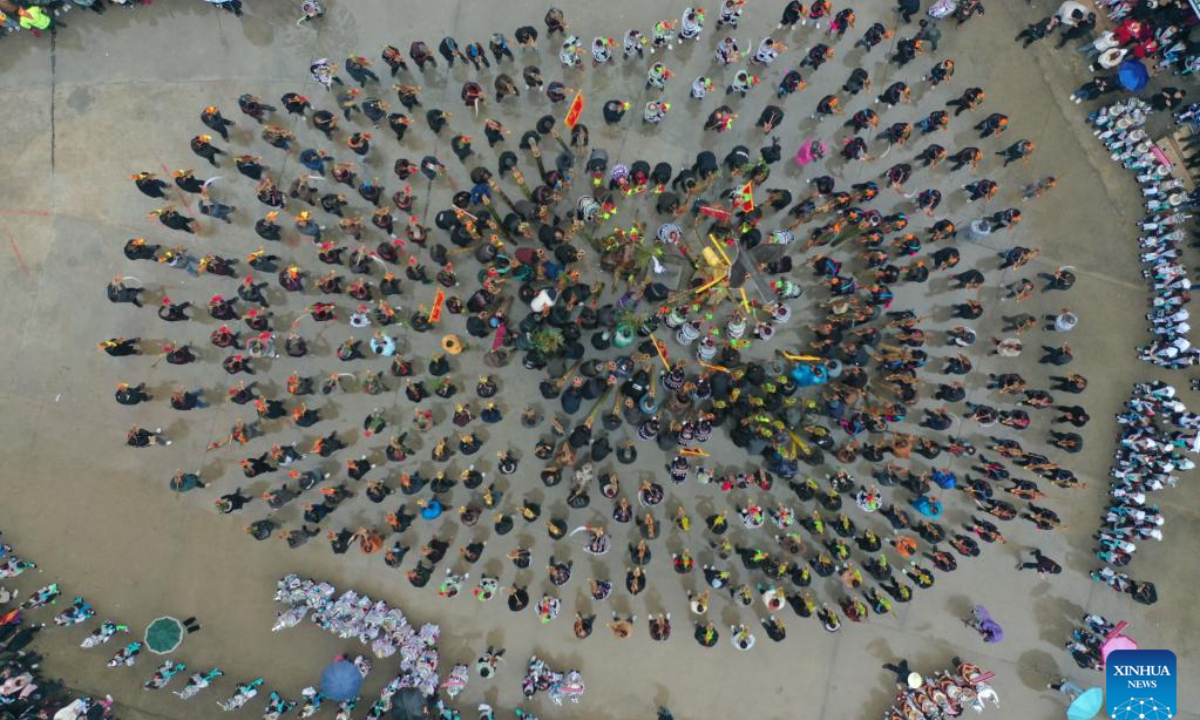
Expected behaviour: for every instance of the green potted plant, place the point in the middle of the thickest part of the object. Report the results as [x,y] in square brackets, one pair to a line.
[628,323]
[548,341]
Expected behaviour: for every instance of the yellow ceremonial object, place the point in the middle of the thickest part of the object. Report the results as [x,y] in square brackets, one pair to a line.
[710,283]
[452,345]
[717,244]
[710,257]
[802,358]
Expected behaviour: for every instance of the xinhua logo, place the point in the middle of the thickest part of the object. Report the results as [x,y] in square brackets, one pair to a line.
[1140,685]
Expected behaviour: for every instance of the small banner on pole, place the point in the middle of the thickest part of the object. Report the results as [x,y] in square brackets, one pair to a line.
[662,353]
[715,212]
[574,111]
[746,197]
[436,313]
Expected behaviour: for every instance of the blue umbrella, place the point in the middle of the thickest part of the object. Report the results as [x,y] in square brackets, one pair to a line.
[410,704]
[341,680]
[1086,705]
[1133,75]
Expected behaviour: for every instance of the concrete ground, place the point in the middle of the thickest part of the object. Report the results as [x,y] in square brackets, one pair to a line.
[120,93]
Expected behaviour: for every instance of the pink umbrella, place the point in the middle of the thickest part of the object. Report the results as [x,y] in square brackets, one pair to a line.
[1116,641]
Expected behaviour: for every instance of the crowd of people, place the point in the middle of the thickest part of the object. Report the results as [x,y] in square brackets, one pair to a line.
[1154,34]
[1121,127]
[383,628]
[25,692]
[874,382]
[1157,37]
[1156,432]
[862,390]
[44,17]
[945,694]
[1087,641]
[387,631]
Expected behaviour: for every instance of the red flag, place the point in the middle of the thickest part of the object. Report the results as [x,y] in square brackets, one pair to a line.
[715,212]
[436,313]
[574,111]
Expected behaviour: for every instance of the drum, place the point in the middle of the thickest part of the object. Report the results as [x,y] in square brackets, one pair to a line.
[452,345]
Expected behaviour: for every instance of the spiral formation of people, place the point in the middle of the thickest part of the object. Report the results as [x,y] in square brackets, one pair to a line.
[776,358]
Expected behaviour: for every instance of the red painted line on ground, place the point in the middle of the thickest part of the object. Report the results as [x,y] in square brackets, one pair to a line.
[12,242]
[34,213]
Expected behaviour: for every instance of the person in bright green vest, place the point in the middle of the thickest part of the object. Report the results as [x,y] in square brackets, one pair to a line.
[35,18]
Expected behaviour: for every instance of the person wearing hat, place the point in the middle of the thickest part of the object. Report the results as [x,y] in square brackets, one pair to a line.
[187,181]
[212,119]
[127,395]
[150,185]
[266,227]
[253,106]
[359,69]
[121,347]
[170,218]
[294,103]
[249,165]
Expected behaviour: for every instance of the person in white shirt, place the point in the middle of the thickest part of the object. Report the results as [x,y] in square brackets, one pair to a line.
[1071,12]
